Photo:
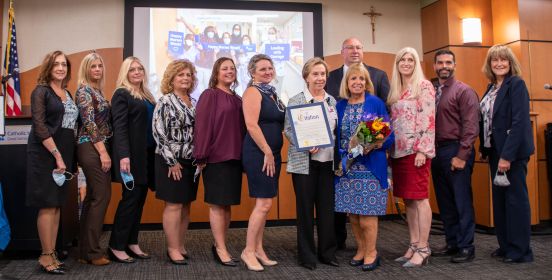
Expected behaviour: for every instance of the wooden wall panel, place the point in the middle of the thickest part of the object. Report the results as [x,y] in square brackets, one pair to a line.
[469,61]
[545,193]
[544,110]
[459,9]
[482,197]
[537,62]
[505,21]
[286,196]
[435,29]
[535,20]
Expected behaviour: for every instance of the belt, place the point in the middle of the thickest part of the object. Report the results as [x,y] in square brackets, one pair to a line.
[445,143]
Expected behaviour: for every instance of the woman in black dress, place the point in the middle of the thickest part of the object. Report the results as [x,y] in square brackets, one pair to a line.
[133,152]
[264,118]
[218,140]
[173,129]
[50,147]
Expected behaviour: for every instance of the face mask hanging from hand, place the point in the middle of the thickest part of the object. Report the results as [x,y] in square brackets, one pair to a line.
[501,179]
[128,179]
[60,178]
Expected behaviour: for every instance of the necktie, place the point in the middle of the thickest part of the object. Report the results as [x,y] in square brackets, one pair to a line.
[438,94]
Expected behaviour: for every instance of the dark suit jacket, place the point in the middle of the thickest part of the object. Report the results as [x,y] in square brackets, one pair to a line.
[511,126]
[130,130]
[378,77]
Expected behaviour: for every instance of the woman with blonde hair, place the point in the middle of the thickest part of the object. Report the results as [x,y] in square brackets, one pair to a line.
[93,155]
[133,152]
[50,153]
[173,130]
[412,102]
[361,191]
[507,142]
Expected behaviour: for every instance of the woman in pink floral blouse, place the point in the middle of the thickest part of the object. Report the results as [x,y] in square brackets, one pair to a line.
[412,102]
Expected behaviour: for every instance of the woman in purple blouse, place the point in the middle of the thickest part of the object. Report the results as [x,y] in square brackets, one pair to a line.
[218,138]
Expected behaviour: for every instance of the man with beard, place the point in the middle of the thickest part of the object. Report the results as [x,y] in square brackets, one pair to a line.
[456,128]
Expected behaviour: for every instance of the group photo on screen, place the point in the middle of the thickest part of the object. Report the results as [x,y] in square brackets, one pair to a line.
[204,35]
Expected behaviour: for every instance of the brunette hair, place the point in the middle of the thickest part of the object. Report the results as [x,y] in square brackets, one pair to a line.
[45,74]
[213,81]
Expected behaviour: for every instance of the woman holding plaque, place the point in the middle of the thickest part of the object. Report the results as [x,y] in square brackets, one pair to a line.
[412,102]
[312,174]
[361,190]
[264,118]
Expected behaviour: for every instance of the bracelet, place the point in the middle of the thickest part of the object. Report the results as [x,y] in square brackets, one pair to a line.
[54,151]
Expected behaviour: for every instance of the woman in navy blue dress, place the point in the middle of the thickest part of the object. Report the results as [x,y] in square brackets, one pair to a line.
[264,115]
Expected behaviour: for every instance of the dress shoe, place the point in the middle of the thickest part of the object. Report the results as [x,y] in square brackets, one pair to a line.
[445,251]
[266,262]
[411,247]
[115,258]
[520,260]
[310,266]
[329,262]
[52,268]
[98,262]
[142,256]
[371,266]
[252,267]
[176,262]
[217,258]
[497,254]
[423,252]
[463,256]
[354,262]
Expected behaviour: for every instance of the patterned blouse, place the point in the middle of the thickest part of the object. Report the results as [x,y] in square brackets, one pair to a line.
[173,128]
[71,113]
[95,113]
[487,105]
[413,121]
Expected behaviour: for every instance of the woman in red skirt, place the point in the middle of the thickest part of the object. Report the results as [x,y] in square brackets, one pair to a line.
[412,103]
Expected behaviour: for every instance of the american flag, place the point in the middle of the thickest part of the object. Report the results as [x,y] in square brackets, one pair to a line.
[11,70]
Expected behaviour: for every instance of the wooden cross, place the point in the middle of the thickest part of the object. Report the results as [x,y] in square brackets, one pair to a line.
[372,14]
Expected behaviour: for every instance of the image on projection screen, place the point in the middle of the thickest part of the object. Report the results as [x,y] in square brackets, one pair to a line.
[204,35]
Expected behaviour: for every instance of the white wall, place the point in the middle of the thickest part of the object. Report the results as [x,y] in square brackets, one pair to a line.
[79,25]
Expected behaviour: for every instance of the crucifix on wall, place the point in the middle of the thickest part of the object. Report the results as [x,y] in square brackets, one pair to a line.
[373,14]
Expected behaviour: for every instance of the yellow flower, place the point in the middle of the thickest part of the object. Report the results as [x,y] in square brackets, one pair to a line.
[377,125]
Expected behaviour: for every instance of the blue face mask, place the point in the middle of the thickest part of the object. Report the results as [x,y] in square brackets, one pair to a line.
[60,178]
[127,178]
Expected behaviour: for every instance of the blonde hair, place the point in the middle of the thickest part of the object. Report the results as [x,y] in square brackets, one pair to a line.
[84,70]
[503,52]
[355,68]
[123,82]
[172,70]
[396,80]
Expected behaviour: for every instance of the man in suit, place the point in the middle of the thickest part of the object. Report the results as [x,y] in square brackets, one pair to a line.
[351,50]
[456,128]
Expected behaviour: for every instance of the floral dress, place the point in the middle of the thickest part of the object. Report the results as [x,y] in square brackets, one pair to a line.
[359,191]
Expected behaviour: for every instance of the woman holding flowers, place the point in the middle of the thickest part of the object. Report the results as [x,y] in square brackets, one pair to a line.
[361,190]
[412,101]
[312,174]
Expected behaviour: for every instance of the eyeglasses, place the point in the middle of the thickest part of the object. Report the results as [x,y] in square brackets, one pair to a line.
[351,47]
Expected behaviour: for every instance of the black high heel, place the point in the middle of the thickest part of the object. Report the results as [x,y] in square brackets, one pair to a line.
[115,258]
[176,262]
[371,266]
[52,268]
[231,262]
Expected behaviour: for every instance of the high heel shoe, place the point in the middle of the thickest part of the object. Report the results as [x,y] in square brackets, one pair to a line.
[176,262]
[115,258]
[371,266]
[403,259]
[52,268]
[424,252]
[256,268]
[266,262]
[231,262]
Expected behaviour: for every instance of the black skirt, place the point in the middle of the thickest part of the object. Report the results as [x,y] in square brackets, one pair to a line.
[169,190]
[42,191]
[222,182]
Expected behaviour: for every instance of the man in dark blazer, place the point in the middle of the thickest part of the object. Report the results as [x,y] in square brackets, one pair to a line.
[351,50]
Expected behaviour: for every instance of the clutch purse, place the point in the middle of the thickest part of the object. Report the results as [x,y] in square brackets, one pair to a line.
[501,179]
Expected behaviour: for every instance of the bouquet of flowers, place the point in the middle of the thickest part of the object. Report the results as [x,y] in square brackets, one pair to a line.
[370,133]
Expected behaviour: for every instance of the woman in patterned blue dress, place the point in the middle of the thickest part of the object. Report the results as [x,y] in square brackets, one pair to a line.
[362,189]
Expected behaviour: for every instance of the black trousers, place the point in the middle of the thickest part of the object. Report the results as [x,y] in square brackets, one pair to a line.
[315,191]
[453,191]
[126,223]
[511,211]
